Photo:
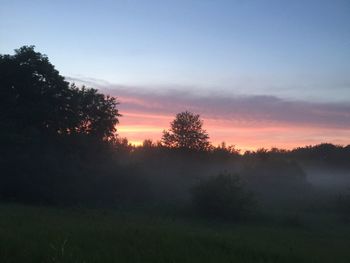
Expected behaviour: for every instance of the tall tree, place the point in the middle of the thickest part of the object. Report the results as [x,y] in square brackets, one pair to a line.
[186,132]
[36,101]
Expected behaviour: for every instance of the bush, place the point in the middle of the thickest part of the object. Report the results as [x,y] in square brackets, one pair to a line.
[222,197]
[343,206]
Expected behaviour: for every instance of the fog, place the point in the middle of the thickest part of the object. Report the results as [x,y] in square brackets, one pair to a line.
[328,178]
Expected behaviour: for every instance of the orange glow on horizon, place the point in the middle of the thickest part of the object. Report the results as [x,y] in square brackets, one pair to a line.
[136,143]
[140,126]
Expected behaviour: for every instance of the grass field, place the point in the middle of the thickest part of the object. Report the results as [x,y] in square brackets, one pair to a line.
[41,234]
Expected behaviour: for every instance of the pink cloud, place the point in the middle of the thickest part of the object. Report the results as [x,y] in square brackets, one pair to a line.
[249,122]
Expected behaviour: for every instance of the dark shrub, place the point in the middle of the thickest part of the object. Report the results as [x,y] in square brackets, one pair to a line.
[343,206]
[222,197]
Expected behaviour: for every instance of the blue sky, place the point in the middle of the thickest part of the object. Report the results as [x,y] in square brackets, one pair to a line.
[289,49]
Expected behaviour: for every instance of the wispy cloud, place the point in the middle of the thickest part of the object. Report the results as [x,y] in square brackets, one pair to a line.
[263,120]
[246,110]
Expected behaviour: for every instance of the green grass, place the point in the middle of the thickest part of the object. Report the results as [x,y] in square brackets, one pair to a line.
[41,234]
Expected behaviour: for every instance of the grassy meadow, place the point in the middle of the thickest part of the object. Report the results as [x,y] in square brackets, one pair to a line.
[48,234]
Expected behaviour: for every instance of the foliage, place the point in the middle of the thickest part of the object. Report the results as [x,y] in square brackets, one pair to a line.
[324,153]
[57,140]
[222,196]
[45,234]
[36,102]
[343,205]
[96,114]
[224,151]
[186,132]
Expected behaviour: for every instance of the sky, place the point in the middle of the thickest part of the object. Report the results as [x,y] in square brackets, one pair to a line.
[261,73]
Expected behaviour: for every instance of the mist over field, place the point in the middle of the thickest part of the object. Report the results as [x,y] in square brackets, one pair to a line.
[61,153]
[174,131]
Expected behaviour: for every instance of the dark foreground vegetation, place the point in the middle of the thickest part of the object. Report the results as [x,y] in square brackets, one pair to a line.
[42,234]
[92,197]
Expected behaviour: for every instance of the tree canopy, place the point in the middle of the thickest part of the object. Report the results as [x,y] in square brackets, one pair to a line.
[35,100]
[186,132]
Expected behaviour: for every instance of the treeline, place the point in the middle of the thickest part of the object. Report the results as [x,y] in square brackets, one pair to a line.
[325,153]
[59,146]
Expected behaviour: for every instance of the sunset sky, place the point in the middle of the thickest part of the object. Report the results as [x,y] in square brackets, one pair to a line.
[260,73]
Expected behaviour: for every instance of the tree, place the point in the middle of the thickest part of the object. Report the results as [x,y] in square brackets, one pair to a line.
[221,196]
[186,133]
[53,135]
[96,114]
[36,101]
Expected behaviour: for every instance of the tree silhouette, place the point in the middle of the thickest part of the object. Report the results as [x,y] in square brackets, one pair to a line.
[36,101]
[56,139]
[222,196]
[186,132]
[96,114]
